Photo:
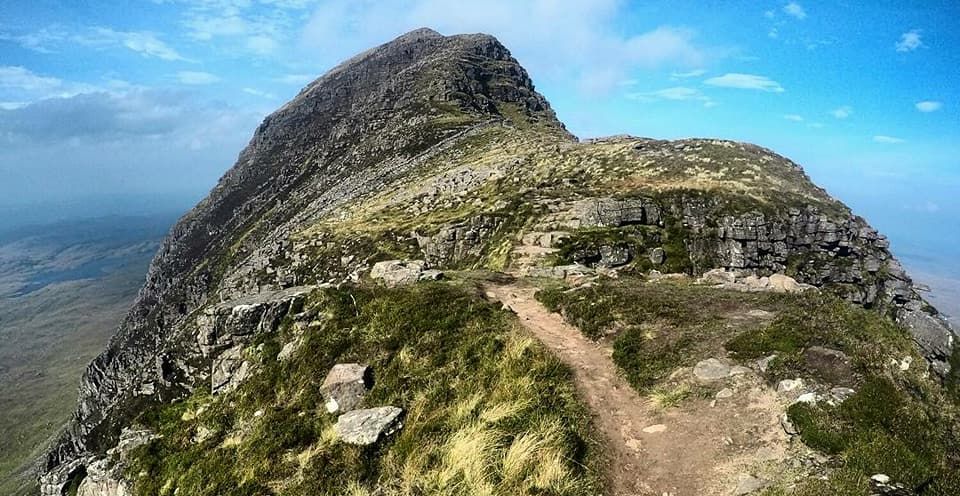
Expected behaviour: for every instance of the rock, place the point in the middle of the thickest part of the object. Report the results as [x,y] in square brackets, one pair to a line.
[833,366]
[754,283]
[364,427]
[788,425]
[764,363]
[229,370]
[724,393]
[749,484]
[655,429]
[881,484]
[840,394]
[431,275]
[808,398]
[781,283]
[658,256]
[399,272]
[739,370]
[287,351]
[103,480]
[614,256]
[789,385]
[718,276]
[345,386]
[711,369]
[933,336]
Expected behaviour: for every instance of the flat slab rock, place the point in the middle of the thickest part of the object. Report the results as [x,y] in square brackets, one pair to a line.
[364,427]
[345,386]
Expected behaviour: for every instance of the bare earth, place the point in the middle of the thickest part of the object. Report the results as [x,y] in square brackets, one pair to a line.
[700,448]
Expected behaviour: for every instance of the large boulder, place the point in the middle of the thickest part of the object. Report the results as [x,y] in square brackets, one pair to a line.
[363,427]
[832,366]
[345,386]
[402,272]
[711,369]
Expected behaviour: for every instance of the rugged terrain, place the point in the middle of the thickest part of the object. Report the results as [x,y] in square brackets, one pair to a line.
[704,272]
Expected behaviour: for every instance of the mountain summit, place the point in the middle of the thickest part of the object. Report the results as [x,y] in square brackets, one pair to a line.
[433,157]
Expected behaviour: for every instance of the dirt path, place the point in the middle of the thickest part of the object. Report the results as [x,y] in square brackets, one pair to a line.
[699,449]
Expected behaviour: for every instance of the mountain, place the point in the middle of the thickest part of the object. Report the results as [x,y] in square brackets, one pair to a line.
[433,157]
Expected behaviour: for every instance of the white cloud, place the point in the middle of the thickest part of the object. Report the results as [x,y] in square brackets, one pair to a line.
[260,93]
[679,93]
[43,40]
[20,84]
[556,40]
[143,42]
[815,125]
[909,41]
[795,9]
[688,74]
[262,44]
[770,14]
[22,78]
[244,26]
[888,139]
[295,78]
[196,77]
[746,82]
[793,117]
[842,112]
[929,106]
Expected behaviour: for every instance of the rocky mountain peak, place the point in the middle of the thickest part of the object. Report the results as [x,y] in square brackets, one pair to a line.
[432,153]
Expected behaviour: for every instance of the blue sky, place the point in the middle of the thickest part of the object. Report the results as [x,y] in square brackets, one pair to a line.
[158,97]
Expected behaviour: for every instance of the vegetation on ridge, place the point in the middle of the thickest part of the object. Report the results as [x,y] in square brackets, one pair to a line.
[488,410]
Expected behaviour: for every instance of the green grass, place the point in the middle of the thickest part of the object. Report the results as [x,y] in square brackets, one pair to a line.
[821,319]
[488,411]
[655,327]
[884,428]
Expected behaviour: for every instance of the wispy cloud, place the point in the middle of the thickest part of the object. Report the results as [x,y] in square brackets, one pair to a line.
[793,117]
[888,139]
[196,77]
[929,106]
[579,33]
[295,78]
[746,82]
[909,41]
[244,26]
[42,40]
[678,93]
[842,112]
[146,43]
[260,93]
[20,85]
[18,77]
[688,74]
[795,9]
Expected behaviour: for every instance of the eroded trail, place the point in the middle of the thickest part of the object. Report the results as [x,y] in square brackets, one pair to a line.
[695,450]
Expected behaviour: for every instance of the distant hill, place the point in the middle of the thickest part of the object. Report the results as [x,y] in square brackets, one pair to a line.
[64,288]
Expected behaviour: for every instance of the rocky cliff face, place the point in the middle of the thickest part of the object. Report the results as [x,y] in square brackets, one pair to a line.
[439,148]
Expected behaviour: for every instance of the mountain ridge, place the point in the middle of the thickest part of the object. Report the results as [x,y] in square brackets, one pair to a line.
[439,147]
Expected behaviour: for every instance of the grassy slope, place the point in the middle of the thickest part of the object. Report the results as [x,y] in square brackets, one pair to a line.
[900,423]
[488,411]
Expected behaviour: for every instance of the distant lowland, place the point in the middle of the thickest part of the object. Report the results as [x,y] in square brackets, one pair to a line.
[64,287]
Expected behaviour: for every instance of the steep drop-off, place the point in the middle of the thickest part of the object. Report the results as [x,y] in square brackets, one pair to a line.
[438,149]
